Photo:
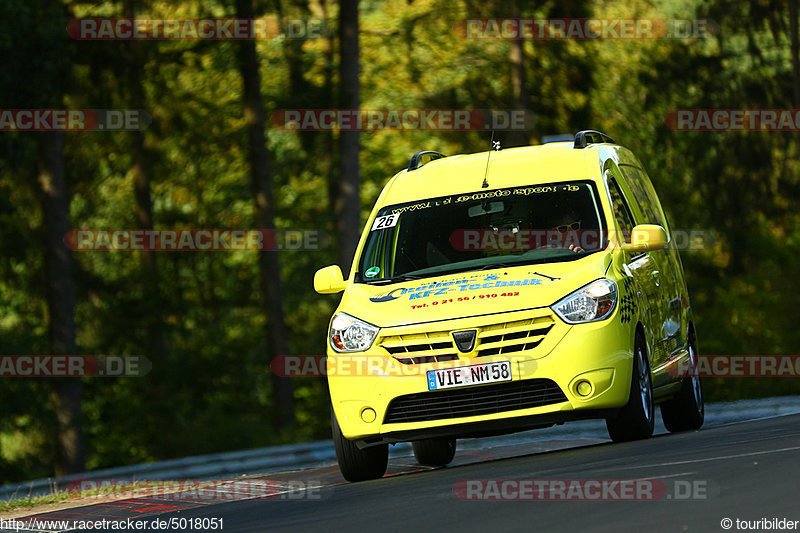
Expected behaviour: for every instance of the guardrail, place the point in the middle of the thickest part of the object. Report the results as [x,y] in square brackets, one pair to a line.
[320,453]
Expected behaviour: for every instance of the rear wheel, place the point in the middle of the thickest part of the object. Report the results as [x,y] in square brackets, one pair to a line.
[686,412]
[434,452]
[358,464]
[636,420]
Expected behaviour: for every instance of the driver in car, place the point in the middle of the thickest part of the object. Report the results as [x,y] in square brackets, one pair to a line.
[565,232]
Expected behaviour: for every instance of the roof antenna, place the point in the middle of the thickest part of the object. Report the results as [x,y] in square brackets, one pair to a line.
[496,148]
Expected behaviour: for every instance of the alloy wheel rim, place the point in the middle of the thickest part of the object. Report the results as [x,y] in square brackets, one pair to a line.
[644,385]
[697,391]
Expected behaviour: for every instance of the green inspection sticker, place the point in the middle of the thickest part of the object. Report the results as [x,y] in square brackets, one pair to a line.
[372,272]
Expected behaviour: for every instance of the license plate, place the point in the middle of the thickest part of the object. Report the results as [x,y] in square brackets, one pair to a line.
[462,376]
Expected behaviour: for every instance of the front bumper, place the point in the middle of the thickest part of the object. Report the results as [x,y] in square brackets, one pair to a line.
[549,358]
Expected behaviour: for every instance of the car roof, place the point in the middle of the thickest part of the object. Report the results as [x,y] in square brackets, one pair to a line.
[510,167]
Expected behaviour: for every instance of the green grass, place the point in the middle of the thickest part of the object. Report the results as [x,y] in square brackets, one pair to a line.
[117,489]
[55,496]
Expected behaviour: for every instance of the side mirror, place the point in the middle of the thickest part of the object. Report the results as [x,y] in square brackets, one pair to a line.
[329,280]
[646,238]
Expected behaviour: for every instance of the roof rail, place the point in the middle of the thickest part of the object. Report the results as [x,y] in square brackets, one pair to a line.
[557,138]
[586,137]
[417,159]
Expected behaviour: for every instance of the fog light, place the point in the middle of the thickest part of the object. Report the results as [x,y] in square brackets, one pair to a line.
[584,388]
[368,415]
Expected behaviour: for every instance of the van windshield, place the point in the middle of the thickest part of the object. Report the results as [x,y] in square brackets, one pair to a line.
[483,230]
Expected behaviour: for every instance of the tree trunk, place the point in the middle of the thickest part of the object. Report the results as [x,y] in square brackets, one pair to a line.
[347,208]
[261,182]
[795,51]
[66,392]
[134,73]
[327,154]
[519,84]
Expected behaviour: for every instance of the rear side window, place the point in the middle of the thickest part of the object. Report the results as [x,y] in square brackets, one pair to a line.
[645,195]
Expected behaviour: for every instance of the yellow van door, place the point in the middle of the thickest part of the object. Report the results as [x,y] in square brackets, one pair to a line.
[670,338]
[640,266]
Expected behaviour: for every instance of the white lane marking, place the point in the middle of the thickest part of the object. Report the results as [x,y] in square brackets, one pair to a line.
[766,417]
[720,458]
[749,441]
[664,477]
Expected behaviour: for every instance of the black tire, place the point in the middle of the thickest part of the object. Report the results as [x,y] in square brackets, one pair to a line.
[636,420]
[358,464]
[686,411]
[434,452]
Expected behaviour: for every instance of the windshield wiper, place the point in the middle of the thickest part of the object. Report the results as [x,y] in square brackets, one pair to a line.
[499,265]
[396,279]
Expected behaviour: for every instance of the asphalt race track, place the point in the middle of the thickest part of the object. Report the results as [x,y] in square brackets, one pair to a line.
[746,470]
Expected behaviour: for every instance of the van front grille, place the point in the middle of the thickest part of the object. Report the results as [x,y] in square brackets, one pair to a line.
[473,401]
[493,338]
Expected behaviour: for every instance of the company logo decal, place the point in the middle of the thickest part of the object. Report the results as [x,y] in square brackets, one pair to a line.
[473,282]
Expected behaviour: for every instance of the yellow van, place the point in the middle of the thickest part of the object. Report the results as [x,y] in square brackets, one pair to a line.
[505,291]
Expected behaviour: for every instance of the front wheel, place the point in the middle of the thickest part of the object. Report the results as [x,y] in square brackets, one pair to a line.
[686,411]
[434,452]
[636,420]
[358,464]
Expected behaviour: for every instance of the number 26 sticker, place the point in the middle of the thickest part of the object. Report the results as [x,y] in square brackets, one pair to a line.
[388,221]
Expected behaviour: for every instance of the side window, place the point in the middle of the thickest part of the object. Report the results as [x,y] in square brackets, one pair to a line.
[645,195]
[621,211]
[375,255]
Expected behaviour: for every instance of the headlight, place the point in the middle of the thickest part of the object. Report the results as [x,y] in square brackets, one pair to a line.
[349,334]
[595,301]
